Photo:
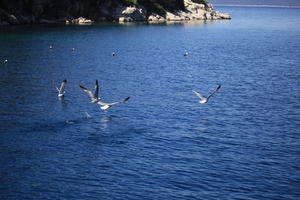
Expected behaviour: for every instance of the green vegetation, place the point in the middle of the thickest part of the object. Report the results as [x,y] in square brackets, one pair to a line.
[201,2]
[30,6]
[131,2]
[159,6]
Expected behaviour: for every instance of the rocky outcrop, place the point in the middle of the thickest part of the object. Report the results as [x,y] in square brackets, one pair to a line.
[6,18]
[87,12]
[156,18]
[193,11]
[131,13]
[81,20]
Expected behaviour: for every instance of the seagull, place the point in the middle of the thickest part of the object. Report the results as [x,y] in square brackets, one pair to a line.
[96,99]
[61,90]
[204,99]
[94,96]
[186,54]
[105,106]
[5,61]
[50,47]
[113,54]
[73,49]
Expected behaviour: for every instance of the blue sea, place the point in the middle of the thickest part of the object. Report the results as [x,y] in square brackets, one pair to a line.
[161,144]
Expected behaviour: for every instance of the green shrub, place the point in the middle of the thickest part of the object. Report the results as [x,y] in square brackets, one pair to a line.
[172,5]
[131,2]
[160,6]
[159,9]
[200,1]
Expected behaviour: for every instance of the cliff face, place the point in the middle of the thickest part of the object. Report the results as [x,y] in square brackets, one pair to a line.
[69,11]
[47,11]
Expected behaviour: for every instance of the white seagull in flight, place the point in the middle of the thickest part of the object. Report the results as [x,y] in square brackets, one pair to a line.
[105,106]
[94,96]
[205,99]
[61,90]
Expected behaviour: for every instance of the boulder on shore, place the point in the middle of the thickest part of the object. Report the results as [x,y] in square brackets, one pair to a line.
[156,18]
[130,13]
[81,20]
[125,19]
[196,11]
[193,11]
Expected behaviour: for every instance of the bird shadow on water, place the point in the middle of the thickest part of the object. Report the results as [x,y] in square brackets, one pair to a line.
[63,102]
[107,124]
[205,124]
[110,129]
[57,125]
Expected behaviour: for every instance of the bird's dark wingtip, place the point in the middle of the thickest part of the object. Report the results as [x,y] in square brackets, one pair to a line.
[65,80]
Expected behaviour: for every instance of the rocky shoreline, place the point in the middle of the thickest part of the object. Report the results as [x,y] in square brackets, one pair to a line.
[108,12]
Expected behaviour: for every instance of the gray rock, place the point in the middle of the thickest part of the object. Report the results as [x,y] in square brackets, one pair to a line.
[136,13]
[156,18]
[194,11]
[82,20]
[209,7]
[125,19]
[5,18]
[175,16]
[12,19]
[224,16]
[24,20]
[208,15]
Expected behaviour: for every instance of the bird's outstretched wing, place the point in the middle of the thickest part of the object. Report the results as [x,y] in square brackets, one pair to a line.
[91,94]
[114,103]
[96,93]
[62,87]
[214,91]
[199,95]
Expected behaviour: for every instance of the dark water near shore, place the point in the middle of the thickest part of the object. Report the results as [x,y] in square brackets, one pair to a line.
[161,144]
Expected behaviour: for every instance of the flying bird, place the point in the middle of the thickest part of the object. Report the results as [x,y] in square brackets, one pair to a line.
[205,99]
[94,96]
[105,106]
[61,90]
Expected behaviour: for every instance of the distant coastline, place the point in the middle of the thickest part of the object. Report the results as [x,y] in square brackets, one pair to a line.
[256,5]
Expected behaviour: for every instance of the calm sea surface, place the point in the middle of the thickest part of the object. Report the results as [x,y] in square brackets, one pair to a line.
[161,144]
